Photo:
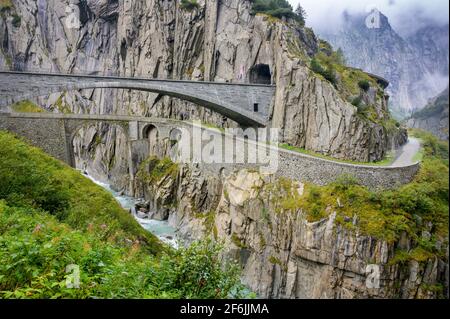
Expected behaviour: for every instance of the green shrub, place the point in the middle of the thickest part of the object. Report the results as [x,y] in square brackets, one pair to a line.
[357,101]
[35,249]
[16,20]
[51,217]
[328,73]
[386,214]
[316,67]
[345,182]
[348,81]
[6,5]
[26,107]
[279,9]
[154,169]
[189,5]
[197,272]
[364,85]
[30,178]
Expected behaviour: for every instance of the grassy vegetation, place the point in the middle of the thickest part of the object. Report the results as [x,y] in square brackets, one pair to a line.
[235,239]
[435,108]
[30,178]
[152,170]
[364,85]
[61,106]
[6,5]
[349,81]
[51,216]
[209,219]
[26,107]
[278,9]
[385,215]
[385,162]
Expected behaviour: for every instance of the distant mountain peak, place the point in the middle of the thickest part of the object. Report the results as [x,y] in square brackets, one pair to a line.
[417,66]
[374,21]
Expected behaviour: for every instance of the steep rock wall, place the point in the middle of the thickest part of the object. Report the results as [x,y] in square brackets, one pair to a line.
[218,41]
[281,253]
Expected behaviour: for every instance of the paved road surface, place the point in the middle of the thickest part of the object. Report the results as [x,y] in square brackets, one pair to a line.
[405,155]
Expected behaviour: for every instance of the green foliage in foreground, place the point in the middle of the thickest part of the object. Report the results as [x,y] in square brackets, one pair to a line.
[51,217]
[32,179]
[415,208]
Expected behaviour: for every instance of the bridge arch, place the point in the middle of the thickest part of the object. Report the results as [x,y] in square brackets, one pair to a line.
[73,128]
[235,101]
[150,130]
[151,133]
[50,132]
[175,135]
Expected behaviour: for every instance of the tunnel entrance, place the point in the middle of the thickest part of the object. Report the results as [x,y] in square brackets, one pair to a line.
[260,74]
[152,135]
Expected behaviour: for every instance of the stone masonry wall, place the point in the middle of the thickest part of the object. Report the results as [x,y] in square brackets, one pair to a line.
[53,133]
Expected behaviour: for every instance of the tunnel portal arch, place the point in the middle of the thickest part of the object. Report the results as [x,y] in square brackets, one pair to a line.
[151,134]
[260,74]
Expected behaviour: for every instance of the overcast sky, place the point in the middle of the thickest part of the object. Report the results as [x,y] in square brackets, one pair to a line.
[404,15]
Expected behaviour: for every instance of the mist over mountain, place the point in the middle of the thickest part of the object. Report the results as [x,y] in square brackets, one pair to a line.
[434,117]
[410,47]
[405,16]
[417,66]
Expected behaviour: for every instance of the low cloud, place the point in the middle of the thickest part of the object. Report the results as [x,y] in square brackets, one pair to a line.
[406,16]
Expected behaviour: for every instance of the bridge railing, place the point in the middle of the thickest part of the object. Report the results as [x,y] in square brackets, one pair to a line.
[116,74]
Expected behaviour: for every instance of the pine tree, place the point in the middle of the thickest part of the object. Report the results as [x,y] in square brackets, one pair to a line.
[301,14]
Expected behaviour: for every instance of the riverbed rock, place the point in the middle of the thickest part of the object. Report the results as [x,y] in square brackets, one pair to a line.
[161,214]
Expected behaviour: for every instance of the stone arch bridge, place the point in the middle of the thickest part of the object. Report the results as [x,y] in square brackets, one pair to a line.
[247,104]
[54,133]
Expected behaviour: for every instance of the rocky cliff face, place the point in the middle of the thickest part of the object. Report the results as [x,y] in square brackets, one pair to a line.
[216,40]
[434,117]
[417,66]
[282,254]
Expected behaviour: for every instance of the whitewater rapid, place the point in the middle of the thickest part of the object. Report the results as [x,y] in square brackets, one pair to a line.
[161,229]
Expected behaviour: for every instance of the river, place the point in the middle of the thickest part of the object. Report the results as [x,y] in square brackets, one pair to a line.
[161,229]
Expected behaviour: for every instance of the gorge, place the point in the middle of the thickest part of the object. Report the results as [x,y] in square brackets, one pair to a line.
[295,234]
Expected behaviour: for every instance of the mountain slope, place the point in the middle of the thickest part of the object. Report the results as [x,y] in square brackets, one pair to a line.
[417,67]
[434,117]
[52,217]
[214,40]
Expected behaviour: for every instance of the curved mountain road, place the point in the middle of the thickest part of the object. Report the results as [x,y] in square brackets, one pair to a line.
[405,155]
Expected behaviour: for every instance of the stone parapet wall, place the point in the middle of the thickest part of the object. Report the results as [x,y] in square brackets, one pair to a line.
[54,133]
